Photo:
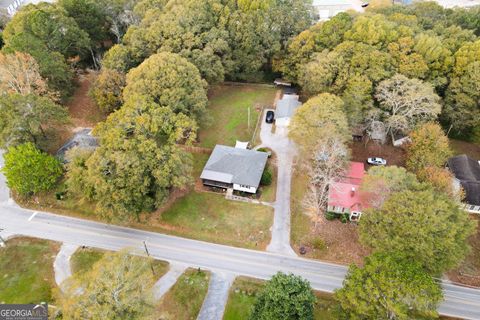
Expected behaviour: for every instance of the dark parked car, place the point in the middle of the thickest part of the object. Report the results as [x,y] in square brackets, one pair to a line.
[270,117]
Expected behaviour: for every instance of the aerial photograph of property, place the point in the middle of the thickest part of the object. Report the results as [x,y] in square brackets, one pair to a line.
[239,159]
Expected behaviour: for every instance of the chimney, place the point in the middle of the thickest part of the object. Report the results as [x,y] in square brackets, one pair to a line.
[352,192]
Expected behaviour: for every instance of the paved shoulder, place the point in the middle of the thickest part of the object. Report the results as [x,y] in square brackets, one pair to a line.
[217,296]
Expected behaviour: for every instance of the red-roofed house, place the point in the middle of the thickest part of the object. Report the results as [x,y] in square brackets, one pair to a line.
[343,195]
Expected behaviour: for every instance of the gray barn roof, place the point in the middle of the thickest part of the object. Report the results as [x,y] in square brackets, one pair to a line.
[287,106]
[467,171]
[233,165]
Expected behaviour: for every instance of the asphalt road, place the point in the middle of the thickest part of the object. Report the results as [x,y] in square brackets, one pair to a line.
[460,302]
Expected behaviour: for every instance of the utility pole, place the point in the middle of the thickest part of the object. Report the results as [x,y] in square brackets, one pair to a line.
[148,254]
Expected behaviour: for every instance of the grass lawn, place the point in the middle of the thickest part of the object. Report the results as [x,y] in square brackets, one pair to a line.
[26,270]
[184,300]
[244,291]
[84,259]
[210,217]
[228,107]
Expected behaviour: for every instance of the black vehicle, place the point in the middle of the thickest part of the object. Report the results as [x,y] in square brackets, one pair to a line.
[270,117]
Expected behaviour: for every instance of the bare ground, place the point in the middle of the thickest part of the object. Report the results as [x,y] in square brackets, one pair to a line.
[393,155]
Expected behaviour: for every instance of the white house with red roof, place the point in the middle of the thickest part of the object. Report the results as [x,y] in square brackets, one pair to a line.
[344,196]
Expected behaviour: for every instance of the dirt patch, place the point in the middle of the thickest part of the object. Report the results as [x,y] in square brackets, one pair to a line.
[463,147]
[469,271]
[82,109]
[393,155]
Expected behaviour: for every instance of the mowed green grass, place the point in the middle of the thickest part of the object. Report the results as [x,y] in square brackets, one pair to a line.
[244,292]
[26,270]
[228,107]
[84,259]
[184,300]
[210,217]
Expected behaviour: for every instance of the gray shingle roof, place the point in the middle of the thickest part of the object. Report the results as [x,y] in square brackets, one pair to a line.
[467,170]
[233,165]
[287,106]
[82,139]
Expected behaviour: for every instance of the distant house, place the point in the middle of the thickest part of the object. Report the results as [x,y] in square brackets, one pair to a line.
[285,109]
[82,139]
[236,168]
[343,195]
[325,9]
[467,175]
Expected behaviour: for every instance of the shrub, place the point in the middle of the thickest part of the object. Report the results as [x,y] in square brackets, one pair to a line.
[267,177]
[330,215]
[318,243]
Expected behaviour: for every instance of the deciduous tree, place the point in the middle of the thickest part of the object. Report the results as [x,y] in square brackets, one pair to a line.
[427,226]
[388,286]
[26,118]
[169,80]
[428,147]
[317,119]
[284,297]
[107,90]
[408,102]
[29,170]
[119,286]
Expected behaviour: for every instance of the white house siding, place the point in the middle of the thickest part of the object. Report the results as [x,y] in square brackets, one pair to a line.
[243,188]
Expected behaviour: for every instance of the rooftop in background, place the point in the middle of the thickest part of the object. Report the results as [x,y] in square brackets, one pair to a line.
[235,166]
[467,171]
[82,139]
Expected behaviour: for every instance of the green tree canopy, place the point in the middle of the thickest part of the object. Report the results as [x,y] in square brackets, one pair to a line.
[284,297]
[50,25]
[389,286]
[107,90]
[169,80]
[425,225]
[320,117]
[138,161]
[428,147]
[26,118]
[119,286]
[29,170]
[381,182]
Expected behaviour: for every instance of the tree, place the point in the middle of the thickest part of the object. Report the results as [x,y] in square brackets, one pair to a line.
[107,90]
[43,22]
[441,180]
[427,226]
[120,15]
[408,102]
[169,80]
[29,170]
[428,147]
[20,73]
[119,286]
[52,65]
[138,161]
[462,108]
[319,118]
[388,286]
[284,297]
[26,118]
[381,182]
[325,163]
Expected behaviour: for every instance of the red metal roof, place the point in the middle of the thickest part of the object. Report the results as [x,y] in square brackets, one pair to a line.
[344,193]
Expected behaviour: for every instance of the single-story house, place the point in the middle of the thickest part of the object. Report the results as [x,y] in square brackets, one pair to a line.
[343,194]
[467,175]
[325,9]
[236,168]
[82,139]
[285,109]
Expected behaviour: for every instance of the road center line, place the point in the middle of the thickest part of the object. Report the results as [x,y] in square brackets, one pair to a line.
[32,216]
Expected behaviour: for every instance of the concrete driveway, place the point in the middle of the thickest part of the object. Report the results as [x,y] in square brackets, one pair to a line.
[286,152]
